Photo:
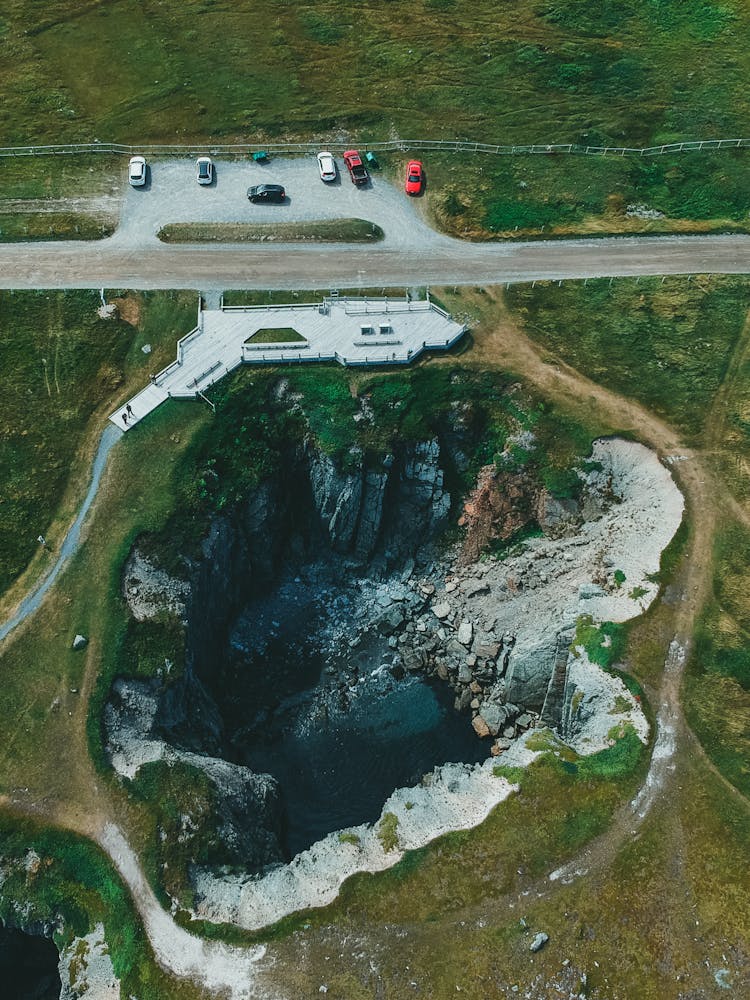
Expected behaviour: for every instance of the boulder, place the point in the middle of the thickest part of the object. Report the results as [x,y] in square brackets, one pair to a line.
[480,726]
[494,716]
[441,610]
[80,642]
[539,941]
[465,633]
[488,650]
[474,588]
[391,621]
[464,674]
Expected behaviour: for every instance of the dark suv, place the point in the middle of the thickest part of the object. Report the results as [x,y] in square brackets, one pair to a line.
[266,192]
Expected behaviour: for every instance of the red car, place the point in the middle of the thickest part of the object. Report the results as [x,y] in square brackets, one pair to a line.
[355,166]
[414,177]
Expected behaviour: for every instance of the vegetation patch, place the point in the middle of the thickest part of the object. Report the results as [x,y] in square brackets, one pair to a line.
[388,832]
[666,342]
[347,837]
[35,226]
[328,231]
[181,803]
[604,644]
[280,335]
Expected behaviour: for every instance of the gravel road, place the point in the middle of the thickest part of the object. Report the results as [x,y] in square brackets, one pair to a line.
[411,254]
[109,264]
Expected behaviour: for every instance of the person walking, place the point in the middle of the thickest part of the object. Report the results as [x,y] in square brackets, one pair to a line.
[125,419]
[129,410]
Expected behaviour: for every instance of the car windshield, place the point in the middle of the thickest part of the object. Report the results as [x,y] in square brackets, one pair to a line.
[203,169]
[413,177]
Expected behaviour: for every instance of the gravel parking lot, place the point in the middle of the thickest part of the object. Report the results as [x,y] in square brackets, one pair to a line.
[174,195]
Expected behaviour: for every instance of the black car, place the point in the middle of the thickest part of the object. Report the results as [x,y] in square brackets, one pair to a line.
[266,192]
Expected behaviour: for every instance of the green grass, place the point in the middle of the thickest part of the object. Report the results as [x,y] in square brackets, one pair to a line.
[524,74]
[36,226]
[333,231]
[666,342]
[717,690]
[280,335]
[82,175]
[604,644]
[59,363]
[531,196]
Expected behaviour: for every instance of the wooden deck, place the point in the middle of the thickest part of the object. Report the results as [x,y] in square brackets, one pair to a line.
[349,331]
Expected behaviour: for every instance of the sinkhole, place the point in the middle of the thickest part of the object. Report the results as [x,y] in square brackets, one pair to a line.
[340,728]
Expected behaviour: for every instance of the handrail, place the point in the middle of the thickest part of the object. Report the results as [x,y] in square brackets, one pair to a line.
[391,145]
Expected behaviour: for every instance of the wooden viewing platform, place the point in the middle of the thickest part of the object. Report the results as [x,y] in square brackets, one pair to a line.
[337,329]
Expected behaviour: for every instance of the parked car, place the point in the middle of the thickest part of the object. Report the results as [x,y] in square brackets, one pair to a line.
[205,169]
[137,171]
[355,166]
[266,192]
[414,177]
[326,166]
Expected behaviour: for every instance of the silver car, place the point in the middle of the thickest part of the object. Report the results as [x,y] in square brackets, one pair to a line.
[326,166]
[205,169]
[137,171]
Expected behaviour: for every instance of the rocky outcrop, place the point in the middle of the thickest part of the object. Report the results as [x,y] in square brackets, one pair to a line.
[248,808]
[501,505]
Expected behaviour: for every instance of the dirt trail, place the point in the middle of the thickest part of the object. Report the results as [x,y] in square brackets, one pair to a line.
[705,498]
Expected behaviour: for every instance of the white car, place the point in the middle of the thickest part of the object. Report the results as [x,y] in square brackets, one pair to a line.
[326,166]
[137,171]
[205,169]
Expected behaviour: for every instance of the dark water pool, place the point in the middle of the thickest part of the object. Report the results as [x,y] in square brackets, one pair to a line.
[337,765]
[28,966]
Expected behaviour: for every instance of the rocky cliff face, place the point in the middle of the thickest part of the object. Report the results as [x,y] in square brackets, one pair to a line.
[391,509]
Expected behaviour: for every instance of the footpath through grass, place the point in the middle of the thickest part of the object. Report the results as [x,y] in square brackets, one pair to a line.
[60,363]
[717,688]
[665,342]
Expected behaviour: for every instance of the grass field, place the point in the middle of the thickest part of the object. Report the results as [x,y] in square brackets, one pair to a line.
[644,69]
[60,364]
[666,342]
[637,73]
